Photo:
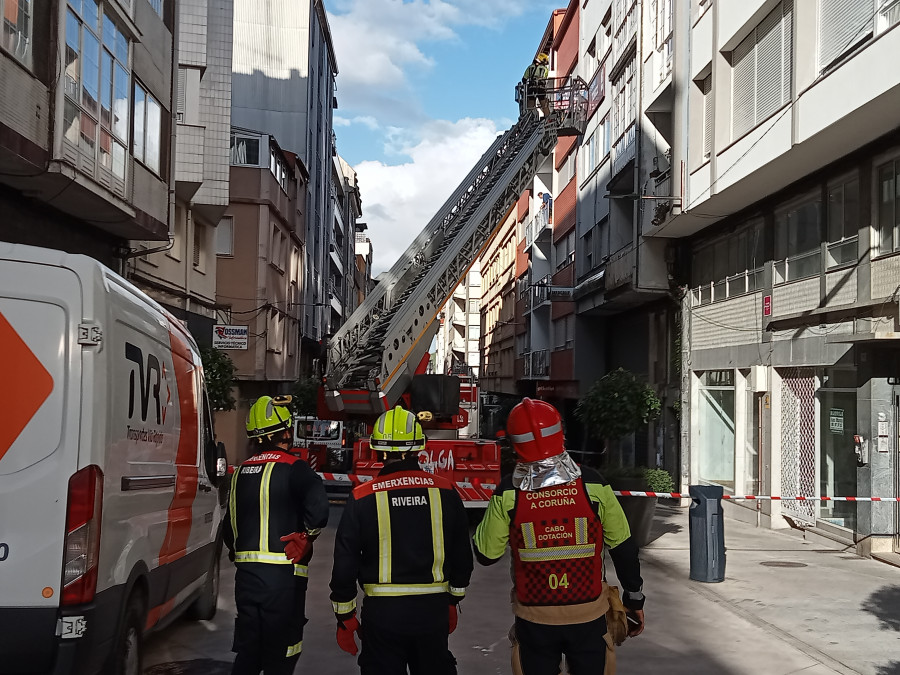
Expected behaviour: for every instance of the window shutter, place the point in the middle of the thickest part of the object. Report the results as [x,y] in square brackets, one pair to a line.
[769,69]
[842,24]
[179,101]
[706,90]
[742,87]
[198,242]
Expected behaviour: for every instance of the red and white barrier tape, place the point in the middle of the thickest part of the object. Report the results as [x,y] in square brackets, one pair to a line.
[798,498]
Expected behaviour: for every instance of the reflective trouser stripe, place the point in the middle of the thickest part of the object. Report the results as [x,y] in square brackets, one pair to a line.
[528,535]
[264,507]
[581,531]
[457,592]
[556,553]
[384,537]
[293,650]
[270,559]
[344,607]
[437,533]
[301,571]
[405,589]
[232,503]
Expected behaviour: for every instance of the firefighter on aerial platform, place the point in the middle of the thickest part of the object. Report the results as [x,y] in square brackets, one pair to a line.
[531,92]
[404,538]
[556,517]
[276,509]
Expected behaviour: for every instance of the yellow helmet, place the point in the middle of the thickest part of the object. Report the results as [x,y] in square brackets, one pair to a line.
[397,430]
[543,58]
[269,415]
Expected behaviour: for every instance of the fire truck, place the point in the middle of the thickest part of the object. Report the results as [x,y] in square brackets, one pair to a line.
[378,357]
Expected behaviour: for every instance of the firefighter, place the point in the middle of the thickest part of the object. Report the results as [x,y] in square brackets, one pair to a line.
[534,83]
[556,517]
[276,509]
[404,538]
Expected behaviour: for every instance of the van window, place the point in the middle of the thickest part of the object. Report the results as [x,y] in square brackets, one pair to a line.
[319,430]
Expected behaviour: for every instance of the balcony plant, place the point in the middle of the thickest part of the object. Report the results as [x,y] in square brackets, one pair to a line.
[617,405]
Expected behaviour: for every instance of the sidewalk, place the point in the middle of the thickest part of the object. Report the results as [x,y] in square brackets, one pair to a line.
[786,606]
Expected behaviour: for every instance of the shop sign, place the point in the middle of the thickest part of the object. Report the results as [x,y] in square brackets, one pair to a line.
[230,337]
[836,421]
[557,389]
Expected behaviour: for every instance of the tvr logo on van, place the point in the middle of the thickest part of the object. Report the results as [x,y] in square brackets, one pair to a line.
[147,386]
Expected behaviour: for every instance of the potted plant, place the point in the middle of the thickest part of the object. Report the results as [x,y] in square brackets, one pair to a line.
[616,405]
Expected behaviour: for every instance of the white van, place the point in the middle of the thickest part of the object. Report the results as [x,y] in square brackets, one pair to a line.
[110,516]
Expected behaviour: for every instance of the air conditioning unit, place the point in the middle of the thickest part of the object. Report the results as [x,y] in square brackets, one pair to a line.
[759,379]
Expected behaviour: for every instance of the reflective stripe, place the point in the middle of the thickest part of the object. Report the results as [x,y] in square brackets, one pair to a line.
[263,557]
[232,503]
[458,592]
[301,571]
[405,589]
[581,531]
[556,553]
[437,533]
[549,431]
[529,436]
[344,607]
[264,507]
[380,424]
[410,423]
[521,438]
[528,535]
[314,532]
[293,650]
[384,537]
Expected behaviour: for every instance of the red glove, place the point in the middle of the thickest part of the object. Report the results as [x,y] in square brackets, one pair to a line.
[297,546]
[454,617]
[346,634]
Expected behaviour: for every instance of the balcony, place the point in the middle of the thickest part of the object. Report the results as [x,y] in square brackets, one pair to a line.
[336,259]
[625,31]
[539,294]
[623,149]
[537,363]
[620,268]
[189,157]
[539,228]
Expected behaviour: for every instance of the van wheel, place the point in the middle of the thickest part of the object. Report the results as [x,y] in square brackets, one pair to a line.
[128,654]
[204,607]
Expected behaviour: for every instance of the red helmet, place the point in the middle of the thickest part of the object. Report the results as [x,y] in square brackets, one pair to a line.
[535,429]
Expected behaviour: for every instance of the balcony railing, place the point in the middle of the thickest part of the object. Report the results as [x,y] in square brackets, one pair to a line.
[624,32]
[623,149]
[537,363]
[539,227]
[663,60]
[540,293]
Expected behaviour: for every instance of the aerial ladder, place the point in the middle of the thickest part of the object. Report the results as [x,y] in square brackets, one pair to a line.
[374,356]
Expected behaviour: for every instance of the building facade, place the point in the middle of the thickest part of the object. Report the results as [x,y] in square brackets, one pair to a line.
[260,254]
[342,261]
[787,148]
[183,276]
[86,133]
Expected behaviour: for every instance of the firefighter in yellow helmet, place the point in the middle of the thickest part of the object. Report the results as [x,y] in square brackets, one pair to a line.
[404,538]
[276,508]
[534,84]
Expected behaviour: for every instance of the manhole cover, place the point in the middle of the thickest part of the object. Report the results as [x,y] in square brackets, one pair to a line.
[782,563]
[194,667]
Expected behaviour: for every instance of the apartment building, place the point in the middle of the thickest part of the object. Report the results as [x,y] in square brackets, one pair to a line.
[362,273]
[260,255]
[182,277]
[786,160]
[86,133]
[290,92]
[342,261]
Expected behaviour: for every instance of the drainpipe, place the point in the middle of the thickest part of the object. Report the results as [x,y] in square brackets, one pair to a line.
[638,132]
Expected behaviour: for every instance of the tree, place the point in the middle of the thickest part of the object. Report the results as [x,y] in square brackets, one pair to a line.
[617,404]
[219,370]
[305,397]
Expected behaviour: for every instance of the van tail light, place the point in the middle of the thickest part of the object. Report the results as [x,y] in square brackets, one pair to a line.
[82,547]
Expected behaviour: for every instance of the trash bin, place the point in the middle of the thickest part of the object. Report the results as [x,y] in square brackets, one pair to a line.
[707,533]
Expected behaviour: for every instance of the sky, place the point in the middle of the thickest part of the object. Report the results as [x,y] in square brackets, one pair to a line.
[424,87]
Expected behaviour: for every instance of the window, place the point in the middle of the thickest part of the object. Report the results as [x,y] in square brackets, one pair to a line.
[624,100]
[474,332]
[157,6]
[147,128]
[842,25]
[17,28]
[888,206]
[225,236]
[96,81]
[798,239]
[842,216]
[607,140]
[590,158]
[244,151]
[761,78]
[888,16]
[729,266]
[716,428]
[706,91]
[565,251]
[198,246]
[473,307]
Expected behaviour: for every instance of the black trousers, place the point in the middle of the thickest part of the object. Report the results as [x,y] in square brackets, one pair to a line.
[386,652]
[541,647]
[268,630]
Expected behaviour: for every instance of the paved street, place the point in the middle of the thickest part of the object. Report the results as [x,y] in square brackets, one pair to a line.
[829,611]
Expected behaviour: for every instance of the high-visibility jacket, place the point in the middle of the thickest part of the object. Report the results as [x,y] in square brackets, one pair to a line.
[536,71]
[273,494]
[404,538]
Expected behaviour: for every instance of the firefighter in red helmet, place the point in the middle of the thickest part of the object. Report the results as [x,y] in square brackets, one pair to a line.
[556,517]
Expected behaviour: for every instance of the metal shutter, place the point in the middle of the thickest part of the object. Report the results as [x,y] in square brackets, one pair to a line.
[787,49]
[743,84]
[179,100]
[769,71]
[706,90]
[842,24]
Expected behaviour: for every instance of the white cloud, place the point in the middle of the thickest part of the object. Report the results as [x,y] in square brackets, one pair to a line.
[399,200]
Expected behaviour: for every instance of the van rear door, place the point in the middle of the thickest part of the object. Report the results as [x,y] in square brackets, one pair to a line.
[40,358]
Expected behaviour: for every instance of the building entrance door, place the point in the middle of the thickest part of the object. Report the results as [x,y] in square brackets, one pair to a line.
[896,463]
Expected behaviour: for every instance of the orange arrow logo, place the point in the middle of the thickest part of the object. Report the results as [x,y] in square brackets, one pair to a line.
[23,395]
